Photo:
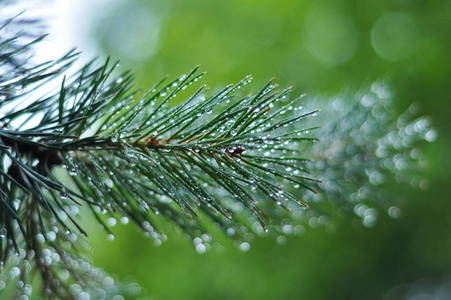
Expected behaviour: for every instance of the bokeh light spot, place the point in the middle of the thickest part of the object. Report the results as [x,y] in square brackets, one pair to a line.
[331,36]
[133,33]
[394,36]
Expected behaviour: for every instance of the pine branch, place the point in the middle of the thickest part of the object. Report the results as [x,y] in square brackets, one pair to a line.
[160,148]
[366,147]
[94,141]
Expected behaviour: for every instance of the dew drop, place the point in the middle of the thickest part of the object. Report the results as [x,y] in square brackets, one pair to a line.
[245,247]
[201,248]
[40,238]
[51,236]
[230,232]
[281,240]
[299,230]
[112,221]
[431,136]
[287,229]
[64,196]
[108,182]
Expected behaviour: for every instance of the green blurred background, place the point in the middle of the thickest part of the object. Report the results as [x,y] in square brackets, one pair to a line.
[318,47]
